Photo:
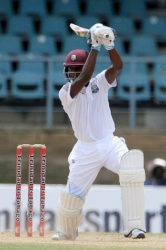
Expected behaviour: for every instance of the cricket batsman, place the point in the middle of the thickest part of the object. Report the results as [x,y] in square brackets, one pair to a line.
[85,100]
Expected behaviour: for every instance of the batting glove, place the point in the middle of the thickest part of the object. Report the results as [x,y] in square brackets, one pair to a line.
[92,38]
[107,36]
[108,44]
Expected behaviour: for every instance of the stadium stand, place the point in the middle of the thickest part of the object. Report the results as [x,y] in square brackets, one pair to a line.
[37,68]
[119,45]
[21,26]
[3,86]
[41,27]
[5,68]
[5,8]
[143,46]
[10,45]
[35,8]
[70,8]
[160,68]
[58,76]
[97,8]
[123,25]
[54,26]
[141,68]
[57,79]
[160,82]
[154,27]
[133,8]
[73,42]
[160,88]
[42,45]
[141,85]
[27,86]
[87,21]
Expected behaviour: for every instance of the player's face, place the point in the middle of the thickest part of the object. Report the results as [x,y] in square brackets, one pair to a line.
[74,71]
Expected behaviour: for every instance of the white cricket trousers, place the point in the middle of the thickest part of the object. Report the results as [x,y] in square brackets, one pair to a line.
[87,159]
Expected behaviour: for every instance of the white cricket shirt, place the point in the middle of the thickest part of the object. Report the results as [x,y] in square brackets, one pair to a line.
[89,111]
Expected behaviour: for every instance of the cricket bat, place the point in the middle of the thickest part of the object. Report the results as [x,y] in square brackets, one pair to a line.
[82,32]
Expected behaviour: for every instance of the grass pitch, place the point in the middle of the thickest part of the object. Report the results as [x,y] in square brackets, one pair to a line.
[88,241]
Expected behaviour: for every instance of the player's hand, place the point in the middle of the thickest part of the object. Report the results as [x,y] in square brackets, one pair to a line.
[107,36]
[108,44]
[92,39]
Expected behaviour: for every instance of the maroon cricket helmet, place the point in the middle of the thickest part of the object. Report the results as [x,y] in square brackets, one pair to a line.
[76,57]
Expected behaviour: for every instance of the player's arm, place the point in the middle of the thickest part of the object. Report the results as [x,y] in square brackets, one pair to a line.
[117,64]
[108,36]
[90,63]
[85,74]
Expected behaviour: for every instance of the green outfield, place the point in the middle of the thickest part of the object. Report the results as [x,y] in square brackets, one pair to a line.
[88,241]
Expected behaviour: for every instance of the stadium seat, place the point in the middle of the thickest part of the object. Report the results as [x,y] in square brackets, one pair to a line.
[3,86]
[160,68]
[5,68]
[159,80]
[119,46]
[99,8]
[54,26]
[143,46]
[58,78]
[58,73]
[100,66]
[142,87]
[27,86]
[69,8]
[133,8]
[154,26]
[5,8]
[10,45]
[42,45]
[160,88]
[33,8]
[111,94]
[87,21]
[33,67]
[124,26]
[141,68]
[19,25]
[74,42]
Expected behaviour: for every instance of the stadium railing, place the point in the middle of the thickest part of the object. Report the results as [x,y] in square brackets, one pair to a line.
[51,73]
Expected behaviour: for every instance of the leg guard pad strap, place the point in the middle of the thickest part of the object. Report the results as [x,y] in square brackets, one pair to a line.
[132,176]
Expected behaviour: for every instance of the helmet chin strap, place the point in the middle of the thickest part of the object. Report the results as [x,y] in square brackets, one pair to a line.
[70,80]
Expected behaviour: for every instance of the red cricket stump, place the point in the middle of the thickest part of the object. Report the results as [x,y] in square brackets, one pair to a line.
[30,191]
[42,191]
[30,188]
[18,191]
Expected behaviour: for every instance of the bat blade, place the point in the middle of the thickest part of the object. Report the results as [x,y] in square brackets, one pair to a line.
[80,31]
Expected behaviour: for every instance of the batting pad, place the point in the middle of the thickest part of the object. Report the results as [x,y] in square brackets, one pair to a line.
[69,215]
[132,177]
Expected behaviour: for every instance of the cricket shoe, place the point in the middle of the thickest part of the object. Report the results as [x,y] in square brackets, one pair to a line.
[136,234]
[59,236]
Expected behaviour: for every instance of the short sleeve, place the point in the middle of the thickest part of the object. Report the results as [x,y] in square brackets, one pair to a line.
[101,79]
[64,95]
